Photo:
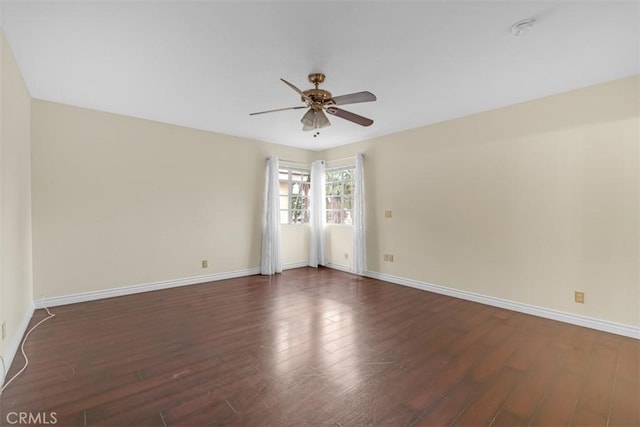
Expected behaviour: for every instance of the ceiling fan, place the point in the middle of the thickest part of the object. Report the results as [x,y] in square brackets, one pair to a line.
[319,101]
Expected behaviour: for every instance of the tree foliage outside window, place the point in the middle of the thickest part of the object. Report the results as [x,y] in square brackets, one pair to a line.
[294,196]
[339,193]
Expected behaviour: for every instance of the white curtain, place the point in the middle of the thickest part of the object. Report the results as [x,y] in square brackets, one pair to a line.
[359,257]
[317,217]
[271,261]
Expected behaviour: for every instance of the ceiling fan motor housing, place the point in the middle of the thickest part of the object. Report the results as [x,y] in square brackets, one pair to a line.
[319,97]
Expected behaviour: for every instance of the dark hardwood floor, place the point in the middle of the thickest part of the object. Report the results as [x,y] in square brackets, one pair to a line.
[318,347]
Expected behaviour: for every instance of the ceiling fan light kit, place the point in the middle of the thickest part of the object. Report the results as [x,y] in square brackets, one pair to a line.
[318,101]
[314,119]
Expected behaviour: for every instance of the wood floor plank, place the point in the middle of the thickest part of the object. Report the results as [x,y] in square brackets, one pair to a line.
[532,388]
[625,409]
[558,406]
[508,419]
[446,410]
[628,368]
[597,385]
[318,347]
[485,408]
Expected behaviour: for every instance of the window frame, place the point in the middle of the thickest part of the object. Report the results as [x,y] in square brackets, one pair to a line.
[343,209]
[290,196]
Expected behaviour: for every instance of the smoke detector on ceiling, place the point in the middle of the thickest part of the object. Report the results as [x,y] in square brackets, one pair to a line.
[520,26]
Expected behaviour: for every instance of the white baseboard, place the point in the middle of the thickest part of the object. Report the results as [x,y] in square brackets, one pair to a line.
[295,265]
[574,319]
[135,289]
[14,344]
[341,267]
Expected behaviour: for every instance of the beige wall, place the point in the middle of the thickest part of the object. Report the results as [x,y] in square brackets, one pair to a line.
[15,197]
[526,203]
[295,244]
[339,245]
[121,201]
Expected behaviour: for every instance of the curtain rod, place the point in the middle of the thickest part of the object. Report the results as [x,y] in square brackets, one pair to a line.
[344,158]
[290,161]
[308,163]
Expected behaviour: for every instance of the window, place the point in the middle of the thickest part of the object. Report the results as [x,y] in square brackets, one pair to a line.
[294,196]
[339,193]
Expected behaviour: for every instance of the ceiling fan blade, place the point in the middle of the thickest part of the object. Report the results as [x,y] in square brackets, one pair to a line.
[279,109]
[305,97]
[352,117]
[354,98]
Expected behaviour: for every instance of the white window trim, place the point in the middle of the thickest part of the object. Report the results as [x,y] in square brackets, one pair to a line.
[289,170]
[342,196]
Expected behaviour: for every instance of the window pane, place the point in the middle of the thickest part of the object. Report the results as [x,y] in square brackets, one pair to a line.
[297,217]
[348,201]
[334,202]
[284,202]
[295,188]
[334,217]
[348,188]
[306,187]
[299,176]
[284,175]
[333,176]
[305,203]
[296,203]
[334,189]
[347,175]
[347,217]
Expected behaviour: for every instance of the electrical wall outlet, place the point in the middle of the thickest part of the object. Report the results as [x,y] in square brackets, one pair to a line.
[205,263]
[346,256]
[387,214]
[578,297]
[4,330]
[388,257]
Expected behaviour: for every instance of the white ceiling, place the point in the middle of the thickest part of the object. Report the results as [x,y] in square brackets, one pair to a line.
[207,65]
